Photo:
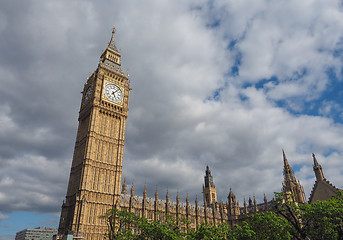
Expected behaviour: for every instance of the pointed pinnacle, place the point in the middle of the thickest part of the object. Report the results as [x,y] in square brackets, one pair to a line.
[112,44]
[314,160]
[132,189]
[284,158]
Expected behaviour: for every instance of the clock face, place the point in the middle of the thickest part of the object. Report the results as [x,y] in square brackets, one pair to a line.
[113,93]
[87,94]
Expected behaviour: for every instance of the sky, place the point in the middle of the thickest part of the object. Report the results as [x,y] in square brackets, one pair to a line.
[224,83]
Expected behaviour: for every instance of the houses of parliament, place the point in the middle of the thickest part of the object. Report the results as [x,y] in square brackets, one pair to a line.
[95,182]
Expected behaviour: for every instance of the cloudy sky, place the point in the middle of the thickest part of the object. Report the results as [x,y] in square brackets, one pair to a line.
[224,83]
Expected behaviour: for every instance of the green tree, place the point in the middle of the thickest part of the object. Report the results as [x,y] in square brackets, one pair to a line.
[244,232]
[319,220]
[292,212]
[126,225]
[209,231]
[324,219]
[268,225]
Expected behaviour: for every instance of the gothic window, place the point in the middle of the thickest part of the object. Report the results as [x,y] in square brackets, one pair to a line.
[108,154]
[98,182]
[94,179]
[101,120]
[101,152]
[90,215]
[105,125]
[97,155]
[150,215]
[105,181]
[191,219]
[111,154]
[207,198]
[137,213]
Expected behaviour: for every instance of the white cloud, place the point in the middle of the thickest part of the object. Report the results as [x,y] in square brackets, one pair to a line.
[3,217]
[289,40]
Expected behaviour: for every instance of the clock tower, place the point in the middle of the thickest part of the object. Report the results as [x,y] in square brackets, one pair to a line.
[96,171]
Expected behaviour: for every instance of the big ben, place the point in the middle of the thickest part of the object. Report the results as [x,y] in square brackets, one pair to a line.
[96,171]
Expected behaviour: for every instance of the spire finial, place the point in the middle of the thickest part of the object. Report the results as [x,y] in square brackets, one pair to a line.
[167,195]
[314,160]
[255,204]
[284,158]
[144,192]
[132,190]
[112,44]
[124,187]
[317,169]
[287,170]
[156,193]
[245,207]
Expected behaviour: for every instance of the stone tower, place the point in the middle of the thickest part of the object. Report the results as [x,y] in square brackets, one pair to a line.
[322,189]
[209,189]
[290,185]
[96,171]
